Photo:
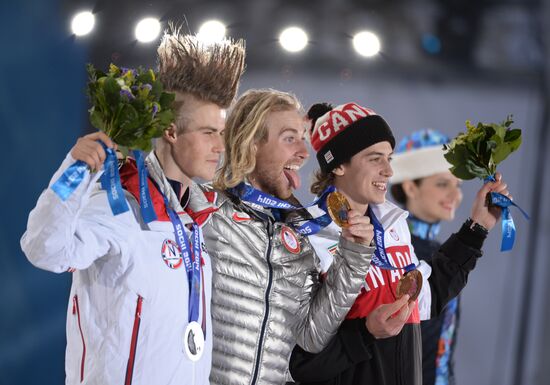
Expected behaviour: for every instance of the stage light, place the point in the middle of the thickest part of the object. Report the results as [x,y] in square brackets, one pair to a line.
[211,31]
[293,39]
[147,30]
[83,23]
[366,43]
[431,43]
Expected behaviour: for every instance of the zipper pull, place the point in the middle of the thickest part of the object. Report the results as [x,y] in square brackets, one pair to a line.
[74,304]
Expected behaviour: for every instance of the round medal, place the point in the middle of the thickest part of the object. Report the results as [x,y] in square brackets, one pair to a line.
[410,284]
[338,207]
[193,340]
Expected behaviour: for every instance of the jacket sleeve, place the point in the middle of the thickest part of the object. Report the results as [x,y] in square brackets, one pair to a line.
[350,345]
[452,263]
[73,234]
[324,307]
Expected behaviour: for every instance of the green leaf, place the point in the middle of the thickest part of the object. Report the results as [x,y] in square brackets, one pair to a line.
[96,119]
[112,91]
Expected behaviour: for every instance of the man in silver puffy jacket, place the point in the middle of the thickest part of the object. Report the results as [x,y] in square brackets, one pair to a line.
[266,294]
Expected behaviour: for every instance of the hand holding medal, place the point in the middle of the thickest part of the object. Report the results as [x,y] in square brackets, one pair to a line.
[356,227]
[477,153]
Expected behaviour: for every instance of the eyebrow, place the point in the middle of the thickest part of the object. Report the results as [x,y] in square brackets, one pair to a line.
[378,153]
[291,129]
[209,128]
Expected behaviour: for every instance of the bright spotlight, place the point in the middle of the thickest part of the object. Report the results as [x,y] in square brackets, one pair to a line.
[366,43]
[211,31]
[293,39]
[83,23]
[147,30]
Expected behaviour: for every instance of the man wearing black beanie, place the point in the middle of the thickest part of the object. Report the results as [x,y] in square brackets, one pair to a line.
[380,340]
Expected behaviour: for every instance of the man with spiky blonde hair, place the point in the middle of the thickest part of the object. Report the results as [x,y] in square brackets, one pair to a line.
[140,299]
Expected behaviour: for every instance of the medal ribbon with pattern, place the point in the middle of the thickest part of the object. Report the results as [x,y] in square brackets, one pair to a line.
[192,260]
[508,227]
[249,194]
[380,257]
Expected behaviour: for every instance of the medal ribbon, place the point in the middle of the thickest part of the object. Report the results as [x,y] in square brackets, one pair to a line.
[110,182]
[249,194]
[191,259]
[69,180]
[145,204]
[508,226]
[380,258]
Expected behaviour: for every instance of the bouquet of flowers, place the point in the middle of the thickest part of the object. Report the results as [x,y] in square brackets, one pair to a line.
[477,152]
[129,105]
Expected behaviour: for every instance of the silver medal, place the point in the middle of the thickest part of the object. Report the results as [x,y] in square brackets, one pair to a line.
[193,341]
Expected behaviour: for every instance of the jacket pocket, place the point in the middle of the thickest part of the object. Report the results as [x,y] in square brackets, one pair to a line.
[76,313]
[133,342]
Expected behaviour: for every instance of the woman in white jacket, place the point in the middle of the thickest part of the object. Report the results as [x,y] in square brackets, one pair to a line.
[129,317]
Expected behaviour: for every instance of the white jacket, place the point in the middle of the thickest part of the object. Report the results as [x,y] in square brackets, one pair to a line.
[128,309]
[397,240]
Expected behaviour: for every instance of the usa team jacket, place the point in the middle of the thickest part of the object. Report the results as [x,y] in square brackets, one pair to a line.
[354,356]
[128,306]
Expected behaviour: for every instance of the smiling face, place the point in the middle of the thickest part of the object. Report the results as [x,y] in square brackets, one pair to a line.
[435,198]
[364,179]
[281,154]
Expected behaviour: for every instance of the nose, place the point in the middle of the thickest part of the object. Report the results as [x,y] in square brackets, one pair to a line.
[219,145]
[456,193]
[387,170]
[302,151]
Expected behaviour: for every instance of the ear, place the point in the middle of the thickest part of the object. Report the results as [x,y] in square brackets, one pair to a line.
[171,134]
[339,171]
[409,188]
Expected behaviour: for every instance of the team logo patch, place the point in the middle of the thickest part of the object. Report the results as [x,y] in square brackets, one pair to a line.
[290,240]
[171,254]
[394,235]
[328,156]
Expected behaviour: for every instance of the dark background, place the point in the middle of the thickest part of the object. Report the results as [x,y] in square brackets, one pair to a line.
[493,61]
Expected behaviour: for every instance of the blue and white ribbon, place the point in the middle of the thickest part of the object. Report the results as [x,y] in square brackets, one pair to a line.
[249,194]
[192,260]
[146,205]
[508,226]
[70,180]
[380,258]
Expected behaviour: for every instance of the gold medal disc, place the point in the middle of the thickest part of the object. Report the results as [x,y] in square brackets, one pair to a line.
[411,284]
[338,208]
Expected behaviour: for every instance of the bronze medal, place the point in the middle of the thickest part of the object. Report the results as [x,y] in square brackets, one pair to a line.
[338,207]
[411,284]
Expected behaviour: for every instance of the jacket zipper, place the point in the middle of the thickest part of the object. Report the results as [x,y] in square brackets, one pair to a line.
[133,343]
[267,292]
[76,310]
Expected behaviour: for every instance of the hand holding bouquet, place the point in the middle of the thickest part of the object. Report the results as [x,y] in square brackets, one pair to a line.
[477,153]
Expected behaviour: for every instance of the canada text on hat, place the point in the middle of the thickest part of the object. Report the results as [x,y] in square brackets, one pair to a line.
[419,155]
[344,131]
[333,122]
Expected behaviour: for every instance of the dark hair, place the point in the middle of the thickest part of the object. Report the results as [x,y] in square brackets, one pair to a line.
[323,179]
[399,194]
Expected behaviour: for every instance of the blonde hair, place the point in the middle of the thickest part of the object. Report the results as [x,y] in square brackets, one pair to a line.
[209,72]
[246,126]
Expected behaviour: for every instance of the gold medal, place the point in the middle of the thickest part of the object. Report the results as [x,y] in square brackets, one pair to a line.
[411,284]
[338,208]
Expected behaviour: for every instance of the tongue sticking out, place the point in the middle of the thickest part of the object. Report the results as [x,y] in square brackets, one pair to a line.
[293,179]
